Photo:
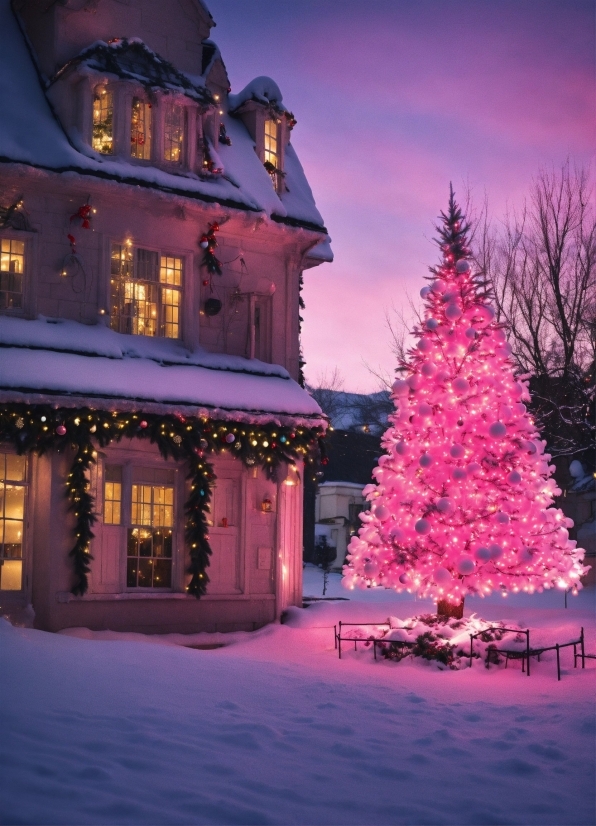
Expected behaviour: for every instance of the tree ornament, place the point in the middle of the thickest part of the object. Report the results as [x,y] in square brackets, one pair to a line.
[143,424]
[230,438]
[462,499]
[61,430]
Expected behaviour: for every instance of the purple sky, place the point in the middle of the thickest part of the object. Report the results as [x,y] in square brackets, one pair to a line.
[394,99]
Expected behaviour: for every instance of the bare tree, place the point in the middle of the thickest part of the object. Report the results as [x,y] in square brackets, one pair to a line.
[541,264]
[327,392]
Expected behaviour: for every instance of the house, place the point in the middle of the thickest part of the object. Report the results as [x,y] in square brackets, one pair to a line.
[154,228]
[351,457]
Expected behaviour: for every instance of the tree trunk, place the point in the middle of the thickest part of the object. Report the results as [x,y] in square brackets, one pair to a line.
[450,609]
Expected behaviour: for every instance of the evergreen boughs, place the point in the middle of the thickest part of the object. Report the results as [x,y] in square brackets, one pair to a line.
[209,243]
[42,428]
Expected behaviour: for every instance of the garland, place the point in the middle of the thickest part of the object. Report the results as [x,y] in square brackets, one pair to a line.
[209,243]
[42,428]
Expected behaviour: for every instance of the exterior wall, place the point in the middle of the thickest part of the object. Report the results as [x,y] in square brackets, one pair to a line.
[255,570]
[59,31]
[273,256]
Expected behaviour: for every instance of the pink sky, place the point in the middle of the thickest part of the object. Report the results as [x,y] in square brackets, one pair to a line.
[394,100]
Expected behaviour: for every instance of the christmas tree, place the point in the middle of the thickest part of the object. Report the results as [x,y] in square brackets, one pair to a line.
[463,495]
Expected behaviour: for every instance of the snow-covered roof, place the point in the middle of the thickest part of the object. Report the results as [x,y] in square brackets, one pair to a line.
[31,134]
[131,59]
[74,364]
[262,89]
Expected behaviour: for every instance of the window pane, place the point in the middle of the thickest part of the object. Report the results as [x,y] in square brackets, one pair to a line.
[170,271]
[173,132]
[170,309]
[11,575]
[103,117]
[145,572]
[162,573]
[15,468]
[12,264]
[14,502]
[112,497]
[140,129]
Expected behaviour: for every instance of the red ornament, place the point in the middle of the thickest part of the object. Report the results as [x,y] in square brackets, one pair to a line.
[61,430]
[143,424]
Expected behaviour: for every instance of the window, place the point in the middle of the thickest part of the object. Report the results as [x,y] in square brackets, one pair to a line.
[112,495]
[12,259]
[12,518]
[150,537]
[271,158]
[103,121]
[140,129]
[173,132]
[146,292]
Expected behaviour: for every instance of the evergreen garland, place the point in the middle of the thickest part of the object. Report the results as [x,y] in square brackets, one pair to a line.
[42,428]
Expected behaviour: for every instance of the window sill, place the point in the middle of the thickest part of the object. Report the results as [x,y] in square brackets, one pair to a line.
[66,596]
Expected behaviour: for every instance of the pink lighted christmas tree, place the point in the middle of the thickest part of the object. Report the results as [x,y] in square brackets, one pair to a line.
[463,495]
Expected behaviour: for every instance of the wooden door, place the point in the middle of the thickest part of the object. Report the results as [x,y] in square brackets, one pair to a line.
[225,570]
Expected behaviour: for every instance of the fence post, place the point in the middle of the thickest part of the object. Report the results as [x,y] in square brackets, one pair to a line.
[471,648]
[558,662]
[528,650]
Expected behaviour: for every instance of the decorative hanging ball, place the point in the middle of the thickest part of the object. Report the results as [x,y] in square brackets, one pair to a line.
[502,518]
[457,452]
[422,527]
[382,512]
[461,385]
[177,439]
[425,460]
[497,430]
[43,418]
[401,448]
[283,440]
[482,554]
[204,444]
[230,438]
[143,424]
[204,242]
[428,369]
[431,323]
[438,286]
[93,428]
[462,267]
[471,333]
[514,478]
[445,505]
[459,474]
[442,576]
[404,579]
[20,423]
[61,430]
[495,551]
[424,345]
[453,312]
[212,306]
[443,376]
[401,387]
[371,569]
[465,565]
[473,467]
[425,292]
[425,409]
[414,382]
[397,534]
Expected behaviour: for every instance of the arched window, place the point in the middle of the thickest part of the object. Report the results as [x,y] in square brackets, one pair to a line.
[140,129]
[103,121]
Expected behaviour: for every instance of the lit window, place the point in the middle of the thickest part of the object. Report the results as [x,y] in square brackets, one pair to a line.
[12,520]
[149,545]
[103,120]
[271,158]
[12,259]
[146,292]
[140,129]
[173,132]
[112,497]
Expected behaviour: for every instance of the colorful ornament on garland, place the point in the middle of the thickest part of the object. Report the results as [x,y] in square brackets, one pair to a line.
[208,242]
[463,500]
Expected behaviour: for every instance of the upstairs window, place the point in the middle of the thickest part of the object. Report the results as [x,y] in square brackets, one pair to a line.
[140,129]
[173,133]
[271,158]
[146,292]
[12,261]
[103,121]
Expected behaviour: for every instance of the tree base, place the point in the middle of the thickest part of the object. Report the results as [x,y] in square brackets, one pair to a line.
[450,609]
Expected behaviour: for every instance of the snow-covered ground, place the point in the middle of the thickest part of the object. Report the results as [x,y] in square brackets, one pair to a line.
[109,728]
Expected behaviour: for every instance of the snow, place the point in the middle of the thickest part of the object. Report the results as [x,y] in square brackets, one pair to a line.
[100,727]
[30,134]
[94,365]
[262,89]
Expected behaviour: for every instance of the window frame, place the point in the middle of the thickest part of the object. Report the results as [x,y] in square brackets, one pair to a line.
[112,89]
[23,591]
[30,241]
[161,286]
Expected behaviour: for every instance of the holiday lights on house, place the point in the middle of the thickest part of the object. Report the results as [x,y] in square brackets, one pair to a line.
[463,495]
[42,428]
